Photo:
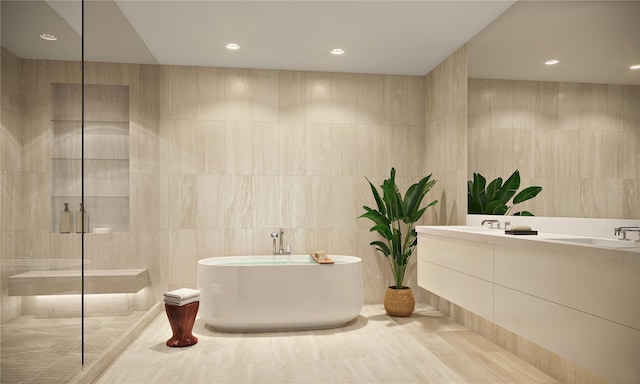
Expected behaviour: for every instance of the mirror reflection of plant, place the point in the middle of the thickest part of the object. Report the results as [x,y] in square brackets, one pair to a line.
[493,199]
[397,215]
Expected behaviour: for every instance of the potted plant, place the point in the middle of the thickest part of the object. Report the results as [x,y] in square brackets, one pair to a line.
[493,199]
[394,219]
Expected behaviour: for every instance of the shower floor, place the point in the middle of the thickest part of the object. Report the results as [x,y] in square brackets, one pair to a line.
[49,350]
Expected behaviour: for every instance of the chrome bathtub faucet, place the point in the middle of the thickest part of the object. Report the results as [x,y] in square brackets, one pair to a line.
[623,230]
[280,251]
[274,236]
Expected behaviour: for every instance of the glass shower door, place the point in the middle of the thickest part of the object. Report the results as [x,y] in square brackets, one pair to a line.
[40,252]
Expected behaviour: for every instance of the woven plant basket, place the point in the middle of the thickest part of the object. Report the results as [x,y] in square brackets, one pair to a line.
[399,302]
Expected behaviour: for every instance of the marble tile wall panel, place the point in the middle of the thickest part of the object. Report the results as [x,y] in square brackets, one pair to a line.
[144,146]
[153,208]
[36,144]
[318,97]
[145,93]
[370,99]
[396,97]
[446,136]
[178,145]
[178,92]
[319,149]
[183,192]
[106,103]
[293,97]
[293,155]
[344,92]
[11,218]
[35,201]
[266,148]
[210,202]
[343,154]
[238,94]
[11,82]
[238,158]
[210,243]
[182,257]
[265,197]
[210,147]
[292,205]
[265,95]
[11,141]
[210,88]
[36,76]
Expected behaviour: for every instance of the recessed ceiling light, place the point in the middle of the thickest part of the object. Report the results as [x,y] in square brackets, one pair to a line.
[48,36]
[337,51]
[635,66]
[552,62]
[233,46]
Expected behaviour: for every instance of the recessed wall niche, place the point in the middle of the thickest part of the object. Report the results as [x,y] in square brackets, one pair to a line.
[106,154]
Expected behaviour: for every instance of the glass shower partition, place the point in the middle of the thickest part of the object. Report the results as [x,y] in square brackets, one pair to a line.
[120,153]
[79,128]
[40,145]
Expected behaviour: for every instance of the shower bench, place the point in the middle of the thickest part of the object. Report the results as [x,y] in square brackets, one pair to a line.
[67,282]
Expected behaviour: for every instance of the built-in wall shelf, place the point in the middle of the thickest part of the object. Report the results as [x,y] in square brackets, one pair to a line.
[105,152]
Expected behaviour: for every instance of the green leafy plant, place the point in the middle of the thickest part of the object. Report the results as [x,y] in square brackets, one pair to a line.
[494,198]
[395,220]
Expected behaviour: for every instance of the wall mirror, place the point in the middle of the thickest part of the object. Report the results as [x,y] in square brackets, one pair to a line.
[573,127]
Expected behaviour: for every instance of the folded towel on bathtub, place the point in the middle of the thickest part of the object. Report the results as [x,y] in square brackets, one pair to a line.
[181,294]
[180,303]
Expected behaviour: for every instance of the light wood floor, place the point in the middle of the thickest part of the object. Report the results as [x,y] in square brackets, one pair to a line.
[374,348]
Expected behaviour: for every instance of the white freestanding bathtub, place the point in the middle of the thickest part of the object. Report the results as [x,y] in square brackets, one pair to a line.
[272,293]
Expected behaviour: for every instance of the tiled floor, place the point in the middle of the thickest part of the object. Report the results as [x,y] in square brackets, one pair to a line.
[49,350]
[375,348]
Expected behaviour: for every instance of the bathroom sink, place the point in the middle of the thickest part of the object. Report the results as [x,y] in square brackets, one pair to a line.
[600,242]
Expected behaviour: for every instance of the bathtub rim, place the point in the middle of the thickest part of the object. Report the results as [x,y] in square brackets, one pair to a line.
[279,260]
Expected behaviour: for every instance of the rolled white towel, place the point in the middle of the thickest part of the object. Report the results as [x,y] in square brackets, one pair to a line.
[180,303]
[182,294]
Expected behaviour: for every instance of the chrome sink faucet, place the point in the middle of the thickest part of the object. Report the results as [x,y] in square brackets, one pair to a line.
[491,222]
[623,230]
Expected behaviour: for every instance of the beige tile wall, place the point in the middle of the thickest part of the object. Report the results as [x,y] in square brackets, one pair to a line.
[219,158]
[26,171]
[446,137]
[245,152]
[580,142]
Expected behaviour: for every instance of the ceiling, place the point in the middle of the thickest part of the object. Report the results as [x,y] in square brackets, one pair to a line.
[390,37]
[595,41]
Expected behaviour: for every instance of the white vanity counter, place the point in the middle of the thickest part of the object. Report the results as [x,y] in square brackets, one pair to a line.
[577,296]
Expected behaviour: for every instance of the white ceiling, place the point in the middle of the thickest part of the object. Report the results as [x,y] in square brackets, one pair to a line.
[391,37]
[595,41]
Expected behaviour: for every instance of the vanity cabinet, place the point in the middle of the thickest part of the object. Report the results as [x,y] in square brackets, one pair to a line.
[460,271]
[580,302]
